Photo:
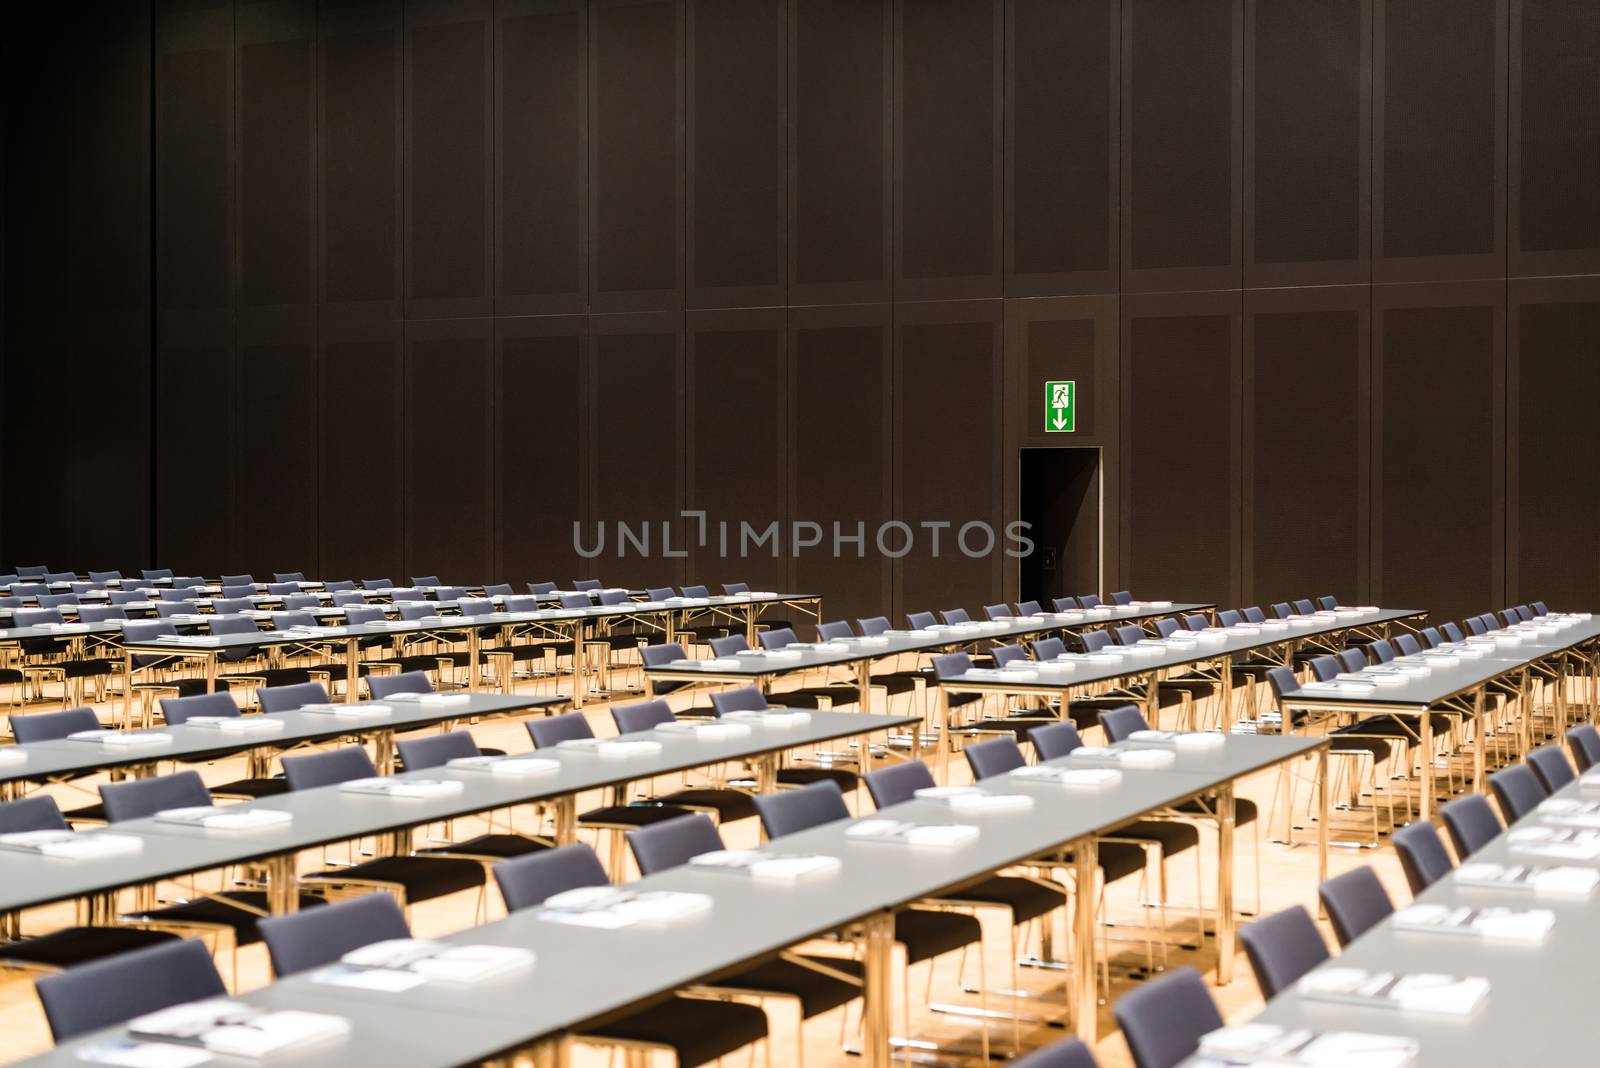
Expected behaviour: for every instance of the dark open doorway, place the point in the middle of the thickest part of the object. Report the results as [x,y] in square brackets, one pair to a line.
[1060,501]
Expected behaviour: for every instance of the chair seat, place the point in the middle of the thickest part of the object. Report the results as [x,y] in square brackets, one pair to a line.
[696,1029]
[10,675]
[809,696]
[1173,835]
[631,815]
[422,878]
[729,804]
[926,933]
[1026,899]
[899,682]
[806,776]
[522,653]
[250,789]
[817,993]
[1383,727]
[1376,747]
[211,910]
[1244,810]
[290,676]
[1118,860]
[498,846]
[79,945]
[88,669]
[95,813]
[417,662]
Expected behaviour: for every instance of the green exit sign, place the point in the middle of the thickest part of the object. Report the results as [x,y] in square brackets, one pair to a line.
[1060,407]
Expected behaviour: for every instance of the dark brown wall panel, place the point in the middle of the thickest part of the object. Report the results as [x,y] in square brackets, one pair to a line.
[636,438]
[449,180]
[275,458]
[1554,528]
[1306,444]
[1439,379]
[450,449]
[277,105]
[539,152]
[1181,126]
[737,443]
[1555,137]
[194,483]
[947,414]
[1180,369]
[1439,139]
[738,133]
[636,154]
[840,420]
[948,130]
[541,420]
[361,484]
[1062,94]
[360,101]
[839,152]
[1307,143]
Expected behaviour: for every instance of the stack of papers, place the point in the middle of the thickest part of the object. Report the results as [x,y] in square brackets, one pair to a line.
[1002,674]
[1077,778]
[1561,843]
[973,799]
[222,1025]
[237,724]
[1563,881]
[776,867]
[612,907]
[1494,924]
[68,845]
[1145,759]
[120,738]
[1570,812]
[770,717]
[505,765]
[236,818]
[705,732]
[343,709]
[1182,740]
[898,832]
[1260,1043]
[1446,995]
[716,663]
[1347,687]
[11,756]
[610,748]
[403,789]
[433,700]
[401,963]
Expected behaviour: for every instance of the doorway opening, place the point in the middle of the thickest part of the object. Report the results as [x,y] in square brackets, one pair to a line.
[1062,500]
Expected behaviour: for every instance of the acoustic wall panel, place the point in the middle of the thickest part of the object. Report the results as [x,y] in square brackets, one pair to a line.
[1180,484]
[737,94]
[448,158]
[736,446]
[540,156]
[948,133]
[1439,139]
[948,475]
[1306,430]
[1062,101]
[277,108]
[1439,381]
[1554,204]
[361,478]
[541,467]
[194,481]
[275,493]
[636,154]
[360,184]
[1551,377]
[840,452]
[449,431]
[1307,141]
[840,156]
[1181,125]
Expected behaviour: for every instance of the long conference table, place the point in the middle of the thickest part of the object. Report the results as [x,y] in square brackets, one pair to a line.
[1540,1007]
[1461,687]
[575,982]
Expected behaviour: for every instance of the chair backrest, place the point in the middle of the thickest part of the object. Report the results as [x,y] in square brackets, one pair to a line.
[1550,764]
[1029,608]
[727,646]
[448,593]
[1007,654]
[282,589]
[575,600]
[425,580]
[1328,602]
[610,597]
[158,573]
[36,813]
[285,620]
[1325,668]
[743,699]
[1282,680]
[289,576]
[99,613]
[1584,741]
[1304,606]
[873,625]
[142,630]
[339,585]
[1067,1053]
[1280,610]
[56,600]
[1049,648]
[1282,947]
[105,576]
[176,710]
[328,767]
[539,589]
[238,580]
[1471,822]
[231,625]
[1518,790]
[1051,741]
[557,729]
[111,990]
[789,811]
[949,665]
[657,593]
[666,653]
[731,588]
[134,799]
[1122,721]
[289,698]
[672,843]
[921,620]
[520,604]
[1122,597]
[997,611]
[49,726]
[377,584]
[696,591]
[1229,617]
[32,617]
[1352,659]
[995,756]
[1431,638]
[834,630]
[1452,631]
[1355,901]
[1510,617]
[1476,626]
[409,610]
[530,879]
[1090,600]
[1422,855]
[1130,635]
[356,614]
[1094,640]
[1162,1020]
[296,601]
[777,637]
[237,591]
[124,596]
[1064,604]
[435,750]
[1407,644]
[1195,621]
[582,584]
[895,783]
[641,716]
[955,615]
[231,606]
[310,938]
[168,609]
[1538,606]
[1166,628]
[381,686]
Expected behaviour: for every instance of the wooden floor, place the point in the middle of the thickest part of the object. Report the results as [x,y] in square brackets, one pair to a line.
[1288,876]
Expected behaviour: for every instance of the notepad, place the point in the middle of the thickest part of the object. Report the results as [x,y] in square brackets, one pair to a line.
[232,1028]
[768,867]
[1529,926]
[614,907]
[1187,741]
[1270,1044]
[770,717]
[899,832]
[1049,669]
[705,732]
[1423,992]
[610,748]
[1141,759]
[440,960]
[1341,687]
[70,845]
[1151,604]
[433,700]
[236,818]
[403,789]
[1561,843]
[342,709]
[152,739]
[11,756]
[237,724]
[505,765]
[973,799]
[130,1053]
[1074,778]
